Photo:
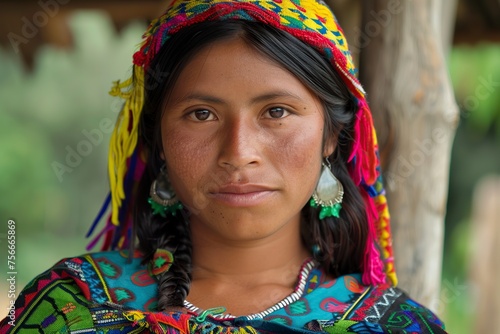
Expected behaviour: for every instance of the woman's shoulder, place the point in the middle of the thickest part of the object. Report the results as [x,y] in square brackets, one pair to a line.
[388,304]
[345,303]
[113,276]
[76,284]
[384,308]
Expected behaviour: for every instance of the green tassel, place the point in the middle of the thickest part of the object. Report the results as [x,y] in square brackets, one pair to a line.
[330,211]
[211,311]
[327,211]
[161,210]
[172,209]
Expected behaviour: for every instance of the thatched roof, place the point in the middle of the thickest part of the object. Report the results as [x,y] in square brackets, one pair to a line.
[477,20]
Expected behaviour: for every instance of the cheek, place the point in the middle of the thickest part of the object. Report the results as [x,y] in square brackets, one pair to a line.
[302,147]
[183,155]
[298,155]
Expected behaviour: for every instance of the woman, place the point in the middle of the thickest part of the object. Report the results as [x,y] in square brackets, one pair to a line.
[244,161]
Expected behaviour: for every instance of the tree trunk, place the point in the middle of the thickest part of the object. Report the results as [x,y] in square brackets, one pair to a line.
[447,23]
[403,69]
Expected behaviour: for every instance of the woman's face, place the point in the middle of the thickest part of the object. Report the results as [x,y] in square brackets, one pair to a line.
[243,142]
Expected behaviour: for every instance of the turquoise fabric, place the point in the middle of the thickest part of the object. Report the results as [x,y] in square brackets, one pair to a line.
[106,293]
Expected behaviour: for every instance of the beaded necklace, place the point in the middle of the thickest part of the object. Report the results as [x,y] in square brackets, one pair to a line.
[298,292]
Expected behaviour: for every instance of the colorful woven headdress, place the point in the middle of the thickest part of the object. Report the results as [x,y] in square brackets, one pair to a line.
[312,22]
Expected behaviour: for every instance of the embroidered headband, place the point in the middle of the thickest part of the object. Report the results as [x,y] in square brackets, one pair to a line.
[312,22]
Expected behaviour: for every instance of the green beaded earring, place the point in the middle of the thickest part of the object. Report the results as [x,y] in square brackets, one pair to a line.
[163,199]
[328,194]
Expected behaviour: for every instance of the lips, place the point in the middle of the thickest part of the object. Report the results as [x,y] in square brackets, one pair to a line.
[242,195]
[241,188]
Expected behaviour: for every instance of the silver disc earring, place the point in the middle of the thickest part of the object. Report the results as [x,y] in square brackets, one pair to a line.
[328,194]
[162,198]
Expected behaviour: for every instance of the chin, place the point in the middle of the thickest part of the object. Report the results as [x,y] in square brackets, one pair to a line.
[250,227]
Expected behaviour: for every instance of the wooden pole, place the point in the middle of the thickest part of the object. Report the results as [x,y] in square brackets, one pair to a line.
[403,69]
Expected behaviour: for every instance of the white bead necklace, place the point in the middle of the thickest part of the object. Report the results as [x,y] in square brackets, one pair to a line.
[293,297]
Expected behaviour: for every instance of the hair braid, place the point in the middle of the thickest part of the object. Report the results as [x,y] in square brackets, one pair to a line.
[171,233]
[173,285]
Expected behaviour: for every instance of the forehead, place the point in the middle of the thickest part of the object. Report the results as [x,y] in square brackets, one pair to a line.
[233,65]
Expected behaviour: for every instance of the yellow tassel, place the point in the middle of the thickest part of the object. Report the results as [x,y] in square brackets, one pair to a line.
[123,142]
[134,316]
[121,242]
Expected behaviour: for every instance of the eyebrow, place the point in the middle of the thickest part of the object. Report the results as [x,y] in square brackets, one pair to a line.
[258,99]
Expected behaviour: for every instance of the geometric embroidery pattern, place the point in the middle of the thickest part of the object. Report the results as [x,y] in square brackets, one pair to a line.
[298,308]
[79,296]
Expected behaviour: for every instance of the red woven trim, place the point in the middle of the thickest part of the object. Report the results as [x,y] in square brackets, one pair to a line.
[154,42]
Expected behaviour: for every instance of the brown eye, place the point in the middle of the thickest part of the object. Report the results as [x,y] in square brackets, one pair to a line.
[278,112]
[202,115]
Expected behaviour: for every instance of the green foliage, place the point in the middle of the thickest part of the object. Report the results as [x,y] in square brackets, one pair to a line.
[475,72]
[22,181]
[458,313]
[48,113]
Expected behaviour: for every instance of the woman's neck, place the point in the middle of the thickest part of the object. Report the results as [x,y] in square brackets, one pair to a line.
[245,276]
[275,259]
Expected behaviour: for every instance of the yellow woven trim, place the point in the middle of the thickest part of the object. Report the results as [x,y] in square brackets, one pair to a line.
[385,238]
[374,136]
[136,317]
[346,313]
[97,271]
[391,273]
[124,137]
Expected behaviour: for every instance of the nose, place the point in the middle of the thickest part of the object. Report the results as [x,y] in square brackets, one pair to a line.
[240,144]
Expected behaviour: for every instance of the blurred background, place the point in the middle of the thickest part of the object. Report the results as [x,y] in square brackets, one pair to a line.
[57,61]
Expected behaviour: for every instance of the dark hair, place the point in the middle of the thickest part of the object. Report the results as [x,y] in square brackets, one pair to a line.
[341,240]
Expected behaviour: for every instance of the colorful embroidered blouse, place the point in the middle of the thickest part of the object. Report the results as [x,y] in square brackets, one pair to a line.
[103,293]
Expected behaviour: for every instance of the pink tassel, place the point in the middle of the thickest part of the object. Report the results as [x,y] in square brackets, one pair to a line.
[96,239]
[356,172]
[355,148]
[373,273]
[373,268]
